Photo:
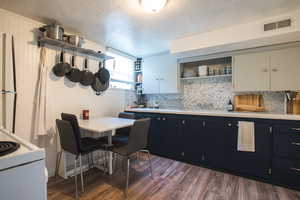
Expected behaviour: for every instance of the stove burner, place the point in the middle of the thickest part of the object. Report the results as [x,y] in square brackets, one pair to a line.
[8,147]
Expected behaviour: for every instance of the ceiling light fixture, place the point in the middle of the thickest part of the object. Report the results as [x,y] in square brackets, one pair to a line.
[153,6]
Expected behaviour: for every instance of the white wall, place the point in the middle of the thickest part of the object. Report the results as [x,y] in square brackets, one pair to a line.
[242,36]
[64,95]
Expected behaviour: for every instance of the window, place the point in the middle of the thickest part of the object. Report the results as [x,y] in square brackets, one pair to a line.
[121,70]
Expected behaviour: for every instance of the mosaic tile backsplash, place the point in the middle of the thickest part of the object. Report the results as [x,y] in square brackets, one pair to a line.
[210,94]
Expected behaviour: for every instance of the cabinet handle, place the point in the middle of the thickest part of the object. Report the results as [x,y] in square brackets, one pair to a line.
[296,143]
[229,124]
[274,70]
[164,119]
[182,153]
[183,121]
[158,118]
[295,169]
[296,129]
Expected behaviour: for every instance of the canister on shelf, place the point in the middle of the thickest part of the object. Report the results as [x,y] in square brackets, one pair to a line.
[203,70]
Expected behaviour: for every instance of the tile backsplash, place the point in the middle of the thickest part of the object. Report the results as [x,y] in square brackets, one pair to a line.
[209,94]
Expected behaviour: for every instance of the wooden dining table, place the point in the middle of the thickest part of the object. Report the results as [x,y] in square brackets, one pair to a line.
[105,126]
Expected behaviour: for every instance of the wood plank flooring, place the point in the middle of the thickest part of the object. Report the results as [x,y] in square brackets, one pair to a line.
[172,181]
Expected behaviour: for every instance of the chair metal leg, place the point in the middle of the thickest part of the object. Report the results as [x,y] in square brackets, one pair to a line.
[58,160]
[76,187]
[81,173]
[127,177]
[92,158]
[149,161]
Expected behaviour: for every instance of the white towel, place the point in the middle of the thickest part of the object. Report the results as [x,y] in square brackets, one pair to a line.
[246,136]
[43,116]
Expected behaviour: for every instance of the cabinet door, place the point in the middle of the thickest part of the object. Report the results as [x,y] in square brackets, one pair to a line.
[285,69]
[160,74]
[251,72]
[218,142]
[170,140]
[255,163]
[192,135]
[150,77]
[155,137]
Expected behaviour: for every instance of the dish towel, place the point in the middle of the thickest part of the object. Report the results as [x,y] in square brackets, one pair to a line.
[246,136]
[43,123]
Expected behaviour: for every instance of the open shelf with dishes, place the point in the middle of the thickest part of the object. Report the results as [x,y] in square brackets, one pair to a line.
[203,69]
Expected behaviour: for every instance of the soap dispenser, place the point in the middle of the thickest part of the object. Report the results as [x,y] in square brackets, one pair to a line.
[229,106]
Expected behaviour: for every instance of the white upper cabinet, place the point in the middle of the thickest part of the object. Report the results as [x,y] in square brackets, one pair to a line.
[160,74]
[268,71]
[251,72]
[285,69]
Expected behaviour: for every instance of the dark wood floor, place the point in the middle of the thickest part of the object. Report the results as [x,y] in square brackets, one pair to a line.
[172,181]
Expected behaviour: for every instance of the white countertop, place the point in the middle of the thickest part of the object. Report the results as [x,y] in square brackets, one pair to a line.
[218,113]
[104,124]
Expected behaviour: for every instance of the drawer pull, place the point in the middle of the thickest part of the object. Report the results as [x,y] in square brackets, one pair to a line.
[296,129]
[295,169]
[296,143]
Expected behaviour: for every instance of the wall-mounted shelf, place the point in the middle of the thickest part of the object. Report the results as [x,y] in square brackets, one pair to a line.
[205,77]
[70,47]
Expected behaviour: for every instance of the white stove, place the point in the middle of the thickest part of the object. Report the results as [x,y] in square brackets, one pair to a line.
[22,172]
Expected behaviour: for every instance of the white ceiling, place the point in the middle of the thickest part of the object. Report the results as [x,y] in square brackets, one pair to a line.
[123,25]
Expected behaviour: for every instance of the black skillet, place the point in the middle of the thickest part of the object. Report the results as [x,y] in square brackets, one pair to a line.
[103,74]
[75,74]
[88,77]
[99,87]
[61,68]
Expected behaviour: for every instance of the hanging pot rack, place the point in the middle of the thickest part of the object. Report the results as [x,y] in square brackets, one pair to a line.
[66,46]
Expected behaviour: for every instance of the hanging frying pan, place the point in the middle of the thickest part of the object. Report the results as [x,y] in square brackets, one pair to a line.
[88,77]
[75,74]
[103,74]
[99,87]
[61,68]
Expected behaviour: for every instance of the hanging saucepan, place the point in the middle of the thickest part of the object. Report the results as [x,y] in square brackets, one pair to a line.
[103,74]
[99,87]
[61,68]
[88,77]
[75,74]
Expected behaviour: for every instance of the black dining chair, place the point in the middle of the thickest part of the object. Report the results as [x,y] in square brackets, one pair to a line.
[69,144]
[137,142]
[121,136]
[84,145]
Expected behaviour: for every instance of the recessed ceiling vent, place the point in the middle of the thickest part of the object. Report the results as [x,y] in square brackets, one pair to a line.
[277,25]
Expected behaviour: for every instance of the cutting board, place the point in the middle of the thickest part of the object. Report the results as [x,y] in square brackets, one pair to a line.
[296,104]
[249,102]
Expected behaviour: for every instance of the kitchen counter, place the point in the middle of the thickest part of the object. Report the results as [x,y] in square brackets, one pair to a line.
[218,113]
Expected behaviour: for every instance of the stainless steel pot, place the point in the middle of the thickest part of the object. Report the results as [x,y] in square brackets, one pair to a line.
[76,40]
[53,31]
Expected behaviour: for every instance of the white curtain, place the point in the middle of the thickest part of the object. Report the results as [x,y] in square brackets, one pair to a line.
[43,122]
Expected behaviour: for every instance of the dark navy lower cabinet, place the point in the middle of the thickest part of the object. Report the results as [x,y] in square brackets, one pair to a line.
[286,158]
[212,142]
[218,142]
[286,171]
[193,141]
[256,163]
[170,137]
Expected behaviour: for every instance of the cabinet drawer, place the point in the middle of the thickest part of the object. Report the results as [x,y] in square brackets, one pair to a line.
[287,145]
[286,171]
[292,129]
